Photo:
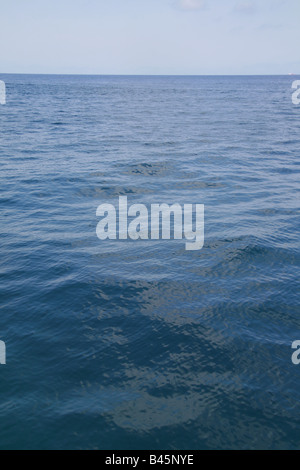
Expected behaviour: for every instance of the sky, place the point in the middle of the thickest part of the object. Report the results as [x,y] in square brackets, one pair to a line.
[161,37]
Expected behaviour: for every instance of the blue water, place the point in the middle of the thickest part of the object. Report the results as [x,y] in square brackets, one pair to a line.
[143,345]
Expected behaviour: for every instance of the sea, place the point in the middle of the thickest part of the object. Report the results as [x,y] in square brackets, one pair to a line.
[142,344]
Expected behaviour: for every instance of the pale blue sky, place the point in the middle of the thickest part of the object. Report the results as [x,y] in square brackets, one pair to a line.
[150,36]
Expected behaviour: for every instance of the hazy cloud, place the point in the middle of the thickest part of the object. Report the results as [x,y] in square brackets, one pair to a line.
[191,4]
[246,7]
[268,26]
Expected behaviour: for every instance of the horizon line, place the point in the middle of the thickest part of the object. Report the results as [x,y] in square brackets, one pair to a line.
[153,74]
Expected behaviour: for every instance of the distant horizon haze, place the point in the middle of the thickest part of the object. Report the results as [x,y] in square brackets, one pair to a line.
[6,74]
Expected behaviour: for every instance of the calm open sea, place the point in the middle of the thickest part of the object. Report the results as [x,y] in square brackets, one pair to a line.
[144,345]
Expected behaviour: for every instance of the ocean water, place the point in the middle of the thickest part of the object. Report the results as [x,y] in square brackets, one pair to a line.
[142,344]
